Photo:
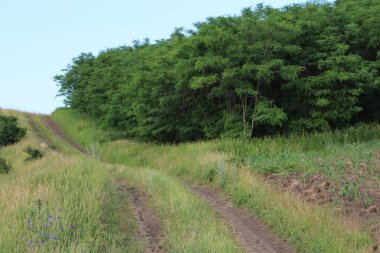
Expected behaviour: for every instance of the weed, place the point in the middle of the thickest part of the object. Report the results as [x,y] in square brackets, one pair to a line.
[93,150]
[350,191]
[368,201]
[211,175]
[34,154]
[4,166]
[222,173]
[241,195]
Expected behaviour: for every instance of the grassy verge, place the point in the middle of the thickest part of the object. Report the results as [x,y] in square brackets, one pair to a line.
[55,203]
[309,228]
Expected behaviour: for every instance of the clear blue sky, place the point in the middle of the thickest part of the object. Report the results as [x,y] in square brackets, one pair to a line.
[39,38]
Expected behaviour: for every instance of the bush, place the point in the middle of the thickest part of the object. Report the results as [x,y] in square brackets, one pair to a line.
[4,166]
[34,154]
[10,132]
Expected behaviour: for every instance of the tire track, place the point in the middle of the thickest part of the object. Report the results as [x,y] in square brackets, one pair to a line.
[250,232]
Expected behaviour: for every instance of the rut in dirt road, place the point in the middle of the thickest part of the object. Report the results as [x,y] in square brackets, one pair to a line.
[56,129]
[148,224]
[251,233]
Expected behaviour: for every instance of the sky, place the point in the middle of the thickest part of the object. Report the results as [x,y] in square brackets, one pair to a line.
[39,38]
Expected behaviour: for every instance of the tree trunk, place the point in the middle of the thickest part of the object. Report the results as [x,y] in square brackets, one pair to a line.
[255,106]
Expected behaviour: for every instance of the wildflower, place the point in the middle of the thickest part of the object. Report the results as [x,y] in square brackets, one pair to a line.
[31,244]
[51,223]
[60,210]
[46,225]
[54,237]
[51,216]
[29,220]
[62,227]
[59,217]
[40,242]
[48,236]
[71,226]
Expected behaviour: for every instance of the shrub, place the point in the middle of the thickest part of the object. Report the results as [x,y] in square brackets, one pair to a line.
[34,154]
[4,166]
[10,132]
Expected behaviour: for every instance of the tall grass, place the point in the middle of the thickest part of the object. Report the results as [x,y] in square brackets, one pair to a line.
[69,191]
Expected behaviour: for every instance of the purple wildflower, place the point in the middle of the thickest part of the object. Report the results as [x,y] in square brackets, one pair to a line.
[29,220]
[60,210]
[54,237]
[71,226]
[51,216]
[51,223]
[48,236]
[62,227]
[59,217]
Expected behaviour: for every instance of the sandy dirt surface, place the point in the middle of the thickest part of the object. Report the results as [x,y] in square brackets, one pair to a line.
[56,129]
[250,232]
[149,225]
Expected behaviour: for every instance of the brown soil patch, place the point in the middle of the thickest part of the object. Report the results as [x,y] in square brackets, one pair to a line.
[316,189]
[250,232]
[44,139]
[149,225]
[362,206]
[56,129]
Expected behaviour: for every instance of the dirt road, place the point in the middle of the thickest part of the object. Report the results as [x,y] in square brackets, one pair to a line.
[251,233]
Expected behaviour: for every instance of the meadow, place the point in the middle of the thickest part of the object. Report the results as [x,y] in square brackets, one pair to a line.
[240,170]
[69,202]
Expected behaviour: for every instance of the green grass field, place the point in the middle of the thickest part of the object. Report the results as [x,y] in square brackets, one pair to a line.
[69,202]
[238,168]
[94,216]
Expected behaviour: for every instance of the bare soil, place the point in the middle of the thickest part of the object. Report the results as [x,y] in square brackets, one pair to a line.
[250,232]
[319,190]
[149,226]
[56,129]
[39,134]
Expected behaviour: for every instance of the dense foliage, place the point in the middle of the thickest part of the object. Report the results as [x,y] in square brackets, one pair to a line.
[305,67]
[10,132]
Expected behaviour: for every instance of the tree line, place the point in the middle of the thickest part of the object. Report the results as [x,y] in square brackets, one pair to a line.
[301,68]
